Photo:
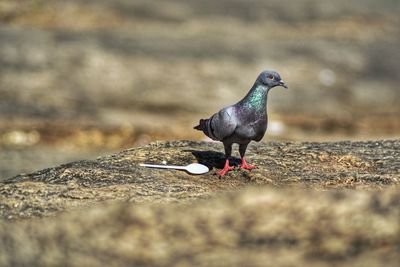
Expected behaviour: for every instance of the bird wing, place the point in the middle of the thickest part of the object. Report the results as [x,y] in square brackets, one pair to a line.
[223,123]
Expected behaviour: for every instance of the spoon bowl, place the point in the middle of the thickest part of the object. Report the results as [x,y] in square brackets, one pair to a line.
[196,168]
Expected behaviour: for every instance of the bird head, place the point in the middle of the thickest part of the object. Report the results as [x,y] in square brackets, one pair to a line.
[270,79]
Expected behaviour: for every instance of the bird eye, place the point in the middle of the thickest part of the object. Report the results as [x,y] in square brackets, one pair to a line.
[271,77]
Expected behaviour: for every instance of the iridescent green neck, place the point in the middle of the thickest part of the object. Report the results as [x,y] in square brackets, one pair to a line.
[256,98]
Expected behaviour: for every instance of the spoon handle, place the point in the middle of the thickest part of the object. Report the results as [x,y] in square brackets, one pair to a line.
[162,166]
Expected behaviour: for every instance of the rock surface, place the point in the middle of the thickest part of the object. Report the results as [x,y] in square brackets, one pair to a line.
[139,216]
[75,75]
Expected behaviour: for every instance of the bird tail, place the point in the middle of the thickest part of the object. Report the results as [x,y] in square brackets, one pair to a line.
[205,127]
[202,125]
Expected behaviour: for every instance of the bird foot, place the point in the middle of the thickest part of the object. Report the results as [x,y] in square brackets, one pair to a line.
[226,169]
[246,166]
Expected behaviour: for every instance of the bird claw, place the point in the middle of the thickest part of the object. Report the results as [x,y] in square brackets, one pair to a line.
[226,169]
[246,166]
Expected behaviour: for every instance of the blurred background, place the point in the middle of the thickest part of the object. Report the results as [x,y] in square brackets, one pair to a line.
[80,79]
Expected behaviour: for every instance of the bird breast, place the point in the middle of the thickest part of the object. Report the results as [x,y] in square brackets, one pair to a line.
[252,131]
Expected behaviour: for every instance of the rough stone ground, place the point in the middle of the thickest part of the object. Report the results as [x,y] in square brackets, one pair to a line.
[96,74]
[138,216]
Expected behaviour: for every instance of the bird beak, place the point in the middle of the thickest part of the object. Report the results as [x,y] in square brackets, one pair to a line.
[283,84]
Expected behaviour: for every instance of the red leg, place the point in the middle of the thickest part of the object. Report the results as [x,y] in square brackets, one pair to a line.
[246,166]
[226,168]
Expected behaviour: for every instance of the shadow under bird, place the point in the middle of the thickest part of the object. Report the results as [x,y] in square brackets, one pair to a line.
[244,121]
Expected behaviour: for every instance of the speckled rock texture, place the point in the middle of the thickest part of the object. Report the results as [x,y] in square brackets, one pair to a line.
[308,204]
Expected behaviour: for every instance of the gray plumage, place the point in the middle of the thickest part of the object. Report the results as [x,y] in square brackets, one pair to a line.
[244,121]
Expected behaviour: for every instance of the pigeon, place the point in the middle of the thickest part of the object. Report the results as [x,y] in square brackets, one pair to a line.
[244,121]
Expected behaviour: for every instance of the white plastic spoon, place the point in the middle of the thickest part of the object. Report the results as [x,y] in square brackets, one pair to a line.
[194,168]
